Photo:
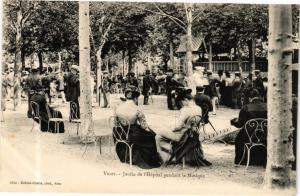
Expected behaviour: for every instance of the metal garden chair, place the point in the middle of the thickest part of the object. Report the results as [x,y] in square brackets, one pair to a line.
[256,132]
[121,128]
[35,108]
[53,117]
[74,118]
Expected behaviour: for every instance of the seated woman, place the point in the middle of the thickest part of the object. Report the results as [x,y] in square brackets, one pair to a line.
[144,152]
[40,98]
[183,140]
[255,109]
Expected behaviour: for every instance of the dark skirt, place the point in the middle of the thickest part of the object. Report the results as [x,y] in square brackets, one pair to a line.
[190,148]
[227,96]
[258,154]
[41,101]
[144,151]
[52,128]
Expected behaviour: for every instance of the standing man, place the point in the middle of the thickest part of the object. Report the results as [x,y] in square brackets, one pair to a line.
[61,86]
[198,79]
[3,92]
[172,85]
[73,88]
[237,90]
[10,83]
[106,84]
[147,85]
[169,88]
[258,83]
[211,90]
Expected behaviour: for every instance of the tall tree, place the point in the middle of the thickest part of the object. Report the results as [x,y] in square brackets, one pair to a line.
[19,13]
[102,16]
[280,127]
[185,21]
[129,32]
[85,69]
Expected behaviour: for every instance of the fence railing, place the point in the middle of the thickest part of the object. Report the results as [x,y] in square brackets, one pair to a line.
[234,65]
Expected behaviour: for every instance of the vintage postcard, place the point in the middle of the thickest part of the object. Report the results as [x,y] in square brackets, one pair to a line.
[149,97]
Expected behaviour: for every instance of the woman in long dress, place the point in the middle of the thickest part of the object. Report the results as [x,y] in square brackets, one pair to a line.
[227,91]
[40,98]
[183,140]
[144,151]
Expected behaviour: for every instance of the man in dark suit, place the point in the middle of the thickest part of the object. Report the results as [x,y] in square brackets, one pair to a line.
[258,83]
[211,90]
[255,109]
[73,88]
[171,85]
[169,88]
[204,102]
[147,85]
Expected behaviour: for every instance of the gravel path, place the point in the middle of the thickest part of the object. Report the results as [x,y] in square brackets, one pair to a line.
[42,160]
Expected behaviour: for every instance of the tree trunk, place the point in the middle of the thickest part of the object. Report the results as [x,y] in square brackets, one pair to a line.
[253,46]
[239,56]
[210,66]
[165,60]
[85,69]
[172,62]
[149,61]
[279,98]
[40,57]
[189,42]
[124,62]
[59,61]
[107,65]
[99,74]
[19,43]
[23,58]
[129,59]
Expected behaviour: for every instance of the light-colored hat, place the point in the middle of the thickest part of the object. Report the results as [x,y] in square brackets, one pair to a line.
[75,67]
[199,68]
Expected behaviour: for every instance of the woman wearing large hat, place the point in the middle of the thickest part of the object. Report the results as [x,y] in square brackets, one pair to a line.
[144,152]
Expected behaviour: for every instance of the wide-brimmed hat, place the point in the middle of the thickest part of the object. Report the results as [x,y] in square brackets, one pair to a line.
[184,93]
[75,67]
[131,93]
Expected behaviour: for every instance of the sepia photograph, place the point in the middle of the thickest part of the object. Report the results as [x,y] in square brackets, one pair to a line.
[119,97]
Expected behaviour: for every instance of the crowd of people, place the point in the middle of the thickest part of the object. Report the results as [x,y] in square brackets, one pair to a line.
[198,95]
[153,150]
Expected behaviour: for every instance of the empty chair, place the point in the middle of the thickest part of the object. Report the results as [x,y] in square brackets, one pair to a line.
[74,117]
